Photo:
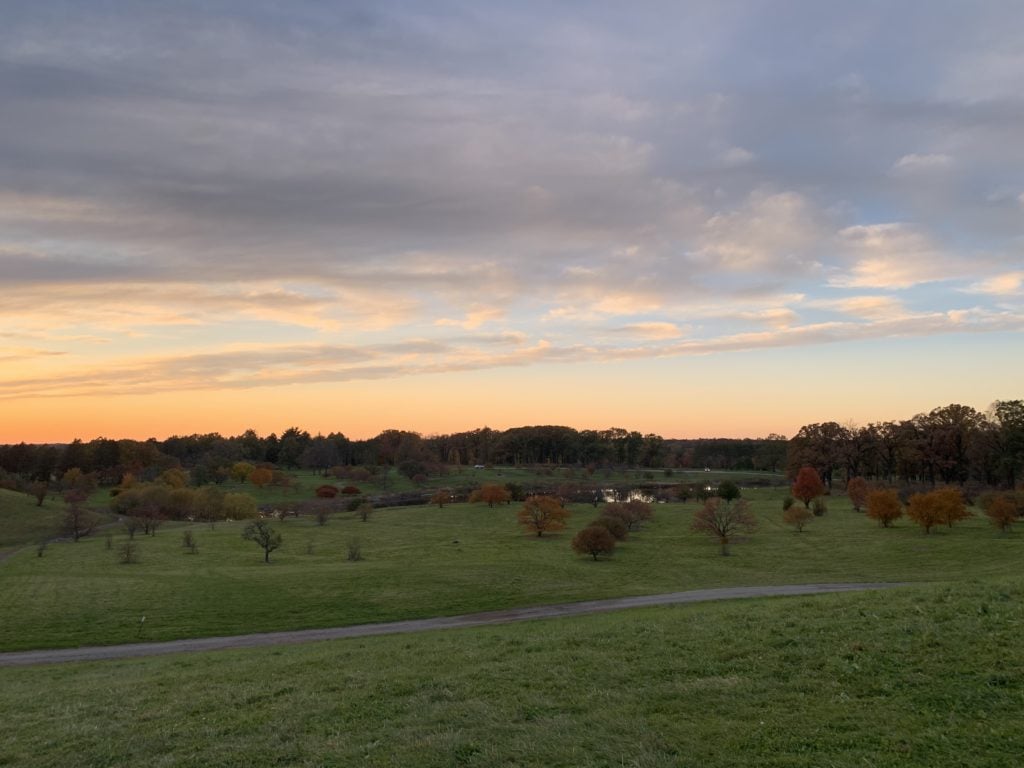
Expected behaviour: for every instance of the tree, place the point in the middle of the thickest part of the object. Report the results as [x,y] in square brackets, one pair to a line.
[38,491]
[798,517]
[884,506]
[943,505]
[1001,511]
[78,520]
[857,490]
[261,532]
[594,540]
[364,510]
[492,493]
[616,527]
[807,486]
[632,513]
[238,506]
[261,476]
[441,498]
[723,521]
[728,491]
[543,514]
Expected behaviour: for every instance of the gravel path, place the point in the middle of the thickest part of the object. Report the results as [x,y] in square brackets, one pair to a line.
[133,650]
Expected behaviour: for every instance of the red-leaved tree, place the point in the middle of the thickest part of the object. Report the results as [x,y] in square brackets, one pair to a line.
[807,486]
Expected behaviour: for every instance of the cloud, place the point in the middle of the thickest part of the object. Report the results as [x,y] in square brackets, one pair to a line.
[872,307]
[893,256]
[736,156]
[1007,284]
[915,163]
[651,330]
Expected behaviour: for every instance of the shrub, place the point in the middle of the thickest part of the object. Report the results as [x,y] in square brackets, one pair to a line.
[351,490]
[326,491]
[788,502]
[355,551]
[819,507]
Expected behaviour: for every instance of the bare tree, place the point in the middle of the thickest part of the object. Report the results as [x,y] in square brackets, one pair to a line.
[723,521]
[261,532]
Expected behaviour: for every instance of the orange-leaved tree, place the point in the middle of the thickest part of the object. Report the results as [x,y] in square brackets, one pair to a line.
[594,540]
[261,476]
[723,521]
[884,506]
[543,514]
[492,493]
[943,505]
[807,486]
[1001,510]
[857,489]
[441,498]
[797,516]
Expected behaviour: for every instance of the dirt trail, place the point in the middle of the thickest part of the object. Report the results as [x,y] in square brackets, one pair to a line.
[101,653]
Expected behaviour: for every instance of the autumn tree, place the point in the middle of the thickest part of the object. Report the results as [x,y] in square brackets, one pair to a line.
[807,486]
[724,521]
[240,471]
[594,540]
[857,490]
[797,516]
[884,506]
[441,498]
[632,513]
[238,506]
[616,527]
[943,505]
[265,536]
[1001,510]
[261,476]
[542,514]
[492,493]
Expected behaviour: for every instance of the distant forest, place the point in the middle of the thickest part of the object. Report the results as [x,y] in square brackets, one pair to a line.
[952,444]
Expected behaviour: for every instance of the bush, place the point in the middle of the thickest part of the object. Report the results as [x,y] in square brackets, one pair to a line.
[797,516]
[819,507]
[788,502]
[327,491]
[351,490]
[355,551]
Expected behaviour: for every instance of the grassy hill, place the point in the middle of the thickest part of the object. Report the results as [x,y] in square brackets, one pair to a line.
[22,522]
[424,561]
[919,676]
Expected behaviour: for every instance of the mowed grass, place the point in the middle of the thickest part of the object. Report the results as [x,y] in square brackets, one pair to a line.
[23,522]
[425,561]
[918,676]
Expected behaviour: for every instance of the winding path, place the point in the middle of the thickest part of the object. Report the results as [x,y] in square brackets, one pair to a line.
[134,650]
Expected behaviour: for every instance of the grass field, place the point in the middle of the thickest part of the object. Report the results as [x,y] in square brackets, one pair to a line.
[423,561]
[919,676]
[22,522]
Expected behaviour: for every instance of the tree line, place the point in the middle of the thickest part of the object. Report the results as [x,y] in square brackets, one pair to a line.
[951,445]
[209,457]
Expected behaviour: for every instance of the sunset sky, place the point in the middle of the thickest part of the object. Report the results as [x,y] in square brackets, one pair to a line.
[696,219]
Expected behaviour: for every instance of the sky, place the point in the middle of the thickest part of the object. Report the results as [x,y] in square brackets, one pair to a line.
[696,219]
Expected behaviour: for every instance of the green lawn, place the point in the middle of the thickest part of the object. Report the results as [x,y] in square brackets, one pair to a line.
[920,676]
[424,561]
[22,522]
